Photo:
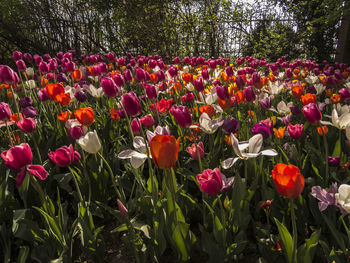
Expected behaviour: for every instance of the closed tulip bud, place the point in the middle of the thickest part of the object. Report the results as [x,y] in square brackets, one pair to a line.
[205,74]
[147,121]
[294,110]
[152,63]
[164,150]
[65,156]
[127,75]
[7,75]
[187,60]
[109,87]
[103,68]
[312,113]
[333,161]
[230,125]
[29,112]
[122,209]
[26,125]
[176,60]
[222,92]
[43,67]
[21,65]
[5,111]
[43,95]
[151,92]
[256,77]
[69,66]
[90,142]
[344,93]
[110,57]
[25,102]
[81,96]
[249,94]
[295,131]
[37,59]
[28,57]
[172,71]
[160,75]
[135,127]
[198,84]
[229,71]
[188,97]
[289,73]
[121,61]
[131,104]
[118,80]
[17,55]
[182,115]
[239,82]
[265,103]
[289,182]
[76,132]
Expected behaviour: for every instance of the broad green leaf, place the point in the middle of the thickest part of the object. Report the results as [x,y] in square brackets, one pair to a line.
[218,231]
[336,234]
[337,148]
[305,251]
[23,254]
[180,242]
[286,239]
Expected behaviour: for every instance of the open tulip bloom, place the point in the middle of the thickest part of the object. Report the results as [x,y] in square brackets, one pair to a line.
[340,122]
[207,124]
[139,155]
[253,146]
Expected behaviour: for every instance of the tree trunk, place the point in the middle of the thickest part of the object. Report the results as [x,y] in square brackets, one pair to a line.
[343,47]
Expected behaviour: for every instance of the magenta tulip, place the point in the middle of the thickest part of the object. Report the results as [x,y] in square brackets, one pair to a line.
[135,127]
[19,157]
[7,75]
[210,181]
[131,104]
[65,156]
[182,115]
[198,84]
[311,113]
[26,125]
[147,121]
[5,111]
[21,65]
[295,131]
[151,92]
[109,87]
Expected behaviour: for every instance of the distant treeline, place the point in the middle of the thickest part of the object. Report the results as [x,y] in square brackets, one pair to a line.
[175,27]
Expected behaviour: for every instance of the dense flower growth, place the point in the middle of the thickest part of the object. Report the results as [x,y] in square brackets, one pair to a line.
[151,141]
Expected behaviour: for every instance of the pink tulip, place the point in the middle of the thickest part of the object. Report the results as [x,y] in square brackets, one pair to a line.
[122,209]
[198,84]
[7,75]
[311,113]
[109,87]
[147,120]
[193,151]
[65,156]
[210,181]
[5,111]
[26,125]
[182,115]
[295,131]
[19,157]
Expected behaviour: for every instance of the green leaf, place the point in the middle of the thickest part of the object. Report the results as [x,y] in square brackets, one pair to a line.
[337,148]
[286,239]
[23,254]
[305,251]
[218,230]
[180,242]
[336,234]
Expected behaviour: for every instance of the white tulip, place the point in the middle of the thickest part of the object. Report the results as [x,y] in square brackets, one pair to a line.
[254,145]
[90,142]
[340,122]
[343,197]
[207,124]
[31,84]
[138,157]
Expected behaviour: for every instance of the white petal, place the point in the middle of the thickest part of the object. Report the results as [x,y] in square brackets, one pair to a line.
[243,146]
[139,144]
[235,145]
[228,163]
[269,152]
[348,132]
[250,155]
[255,143]
[138,160]
[126,154]
[344,120]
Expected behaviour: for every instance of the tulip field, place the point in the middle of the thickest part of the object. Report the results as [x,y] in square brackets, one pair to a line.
[158,159]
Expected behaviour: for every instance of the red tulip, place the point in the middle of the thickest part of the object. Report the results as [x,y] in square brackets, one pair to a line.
[64,156]
[289,182]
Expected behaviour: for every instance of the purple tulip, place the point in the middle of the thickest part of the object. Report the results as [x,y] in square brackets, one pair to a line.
[249,94]
[5,111]
[81,96]
[30,112]
[172,71]
[151,91]
[131,104]
[230,125]
[262,129]
[127,75]
[205,74]
[43,67]
[265,103]
[26,125]
[135,127]
[333,161]
[312,113]
[229,71]
[181,115]
[25,102]
[198,84]
[222,92]
[28,57]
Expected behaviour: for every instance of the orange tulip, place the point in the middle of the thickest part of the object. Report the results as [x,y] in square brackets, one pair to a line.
[324,128]
[164,150]
[207,109]
[63,99]
[188,77]
[114,114]
[289,182]
[54,89]
[297,91]
[280,132]
[335,98]
[64,116]
[77,74]
[308,98]
[16,117]
[85,116]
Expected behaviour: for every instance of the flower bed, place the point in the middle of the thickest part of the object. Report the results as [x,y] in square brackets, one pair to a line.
[192,160]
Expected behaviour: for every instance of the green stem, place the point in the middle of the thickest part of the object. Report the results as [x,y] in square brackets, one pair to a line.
[295,232]
[326,152]
[87,177]
[9,133]
[223,220]
[81,199]
[121,196]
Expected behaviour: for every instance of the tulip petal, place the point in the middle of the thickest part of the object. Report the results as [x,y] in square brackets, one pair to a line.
[269,152]
[255,143]
[127,154]
[228,163]
[137,161]
[20,178]
[38,171]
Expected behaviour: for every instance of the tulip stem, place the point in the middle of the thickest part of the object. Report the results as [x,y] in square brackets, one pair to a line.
[9,133]
[128,121]
[37,148]
[223,220]
[326,152]
[76,185]
[87,176]
[295,232]
[121,196]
